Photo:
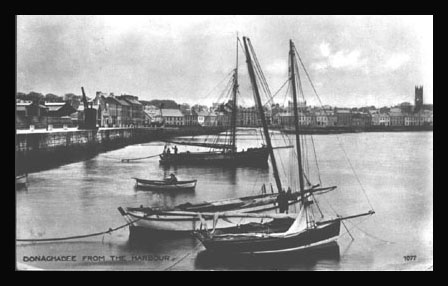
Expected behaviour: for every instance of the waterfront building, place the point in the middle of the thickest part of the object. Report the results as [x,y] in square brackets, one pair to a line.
[126,119]
[59,109]
[136,109]
[206,118]
[190,118]
[99,104]
[286,119]
[324,118]
[361,119]
[384,119]
[396,118]
[29,108]
[379,119]
[115,112]
[248,117]
[172,117]
[152,110]
[344,117]
[223,119]
[211,119]
[375,119]
[412,120]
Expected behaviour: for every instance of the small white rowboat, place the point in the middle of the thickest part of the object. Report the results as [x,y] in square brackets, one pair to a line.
[164,185]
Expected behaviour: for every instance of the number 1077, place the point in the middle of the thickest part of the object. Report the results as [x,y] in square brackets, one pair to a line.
[410,257]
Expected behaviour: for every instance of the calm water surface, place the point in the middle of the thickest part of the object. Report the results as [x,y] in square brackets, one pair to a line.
[394,169]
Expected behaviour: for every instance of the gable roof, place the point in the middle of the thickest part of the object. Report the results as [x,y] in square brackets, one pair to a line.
[133,101]
[122,102]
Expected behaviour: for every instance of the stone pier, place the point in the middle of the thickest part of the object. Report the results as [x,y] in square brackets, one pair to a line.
[38,150]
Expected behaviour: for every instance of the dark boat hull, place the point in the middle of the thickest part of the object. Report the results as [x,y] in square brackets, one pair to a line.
[253,157]
[304,240]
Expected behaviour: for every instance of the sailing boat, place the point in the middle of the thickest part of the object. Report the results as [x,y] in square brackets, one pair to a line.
[305,231]
[221,154]
[248,210]
[184,218]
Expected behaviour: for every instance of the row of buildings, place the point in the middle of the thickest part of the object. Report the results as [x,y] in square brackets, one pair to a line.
[354,118]
[129,111]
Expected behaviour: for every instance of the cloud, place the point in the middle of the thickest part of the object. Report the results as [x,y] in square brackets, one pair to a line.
[325,49]
[278,67]
[341,60]
[396,61]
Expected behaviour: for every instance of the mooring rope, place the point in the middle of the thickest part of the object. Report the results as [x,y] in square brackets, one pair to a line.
[109,231]
[135,159]
[126,160]
[183,257]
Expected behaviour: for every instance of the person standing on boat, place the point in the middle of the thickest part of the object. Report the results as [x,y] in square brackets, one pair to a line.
[175,149]
[168,150]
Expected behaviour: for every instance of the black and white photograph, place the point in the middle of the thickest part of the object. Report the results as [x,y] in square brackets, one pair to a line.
[224,143]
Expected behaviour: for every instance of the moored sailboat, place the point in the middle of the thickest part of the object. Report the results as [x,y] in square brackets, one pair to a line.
[184,217]
[223,154]
[305,231]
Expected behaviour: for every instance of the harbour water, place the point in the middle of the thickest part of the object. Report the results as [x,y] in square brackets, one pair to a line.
[393,172]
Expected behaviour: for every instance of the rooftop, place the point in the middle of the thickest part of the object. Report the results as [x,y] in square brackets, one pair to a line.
[133,101]
[171,112]
[24,103]
[54,103]
[122,102]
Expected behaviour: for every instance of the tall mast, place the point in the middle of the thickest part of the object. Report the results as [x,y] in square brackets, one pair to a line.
[235,90]
[262,116]
[296,117]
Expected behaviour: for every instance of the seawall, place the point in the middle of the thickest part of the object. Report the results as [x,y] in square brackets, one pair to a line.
[39,150]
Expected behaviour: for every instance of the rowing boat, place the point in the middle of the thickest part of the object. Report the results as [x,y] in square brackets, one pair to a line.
[166,185]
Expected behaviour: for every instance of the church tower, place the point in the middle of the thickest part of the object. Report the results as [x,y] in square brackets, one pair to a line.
[418,98]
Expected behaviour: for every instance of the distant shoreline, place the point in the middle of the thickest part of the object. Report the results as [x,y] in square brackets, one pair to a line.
[344,129]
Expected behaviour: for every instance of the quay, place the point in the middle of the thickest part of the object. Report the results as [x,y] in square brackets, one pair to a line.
[357,129]
[41,149]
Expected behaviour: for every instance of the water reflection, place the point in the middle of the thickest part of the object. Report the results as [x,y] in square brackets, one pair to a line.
[213,173]
[304,259]
[160,242]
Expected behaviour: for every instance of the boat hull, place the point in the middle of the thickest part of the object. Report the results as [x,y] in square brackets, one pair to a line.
[21,181]
[310,238]
[188,223]
[165,186]
[252,157]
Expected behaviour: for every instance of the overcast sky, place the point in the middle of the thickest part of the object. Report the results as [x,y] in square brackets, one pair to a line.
[352,60]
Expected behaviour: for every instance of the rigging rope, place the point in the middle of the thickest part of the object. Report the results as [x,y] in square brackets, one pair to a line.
[141,158]
[109,231]
[271,99]
[356,175]
[315,157]
[320,101]
[368,234]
